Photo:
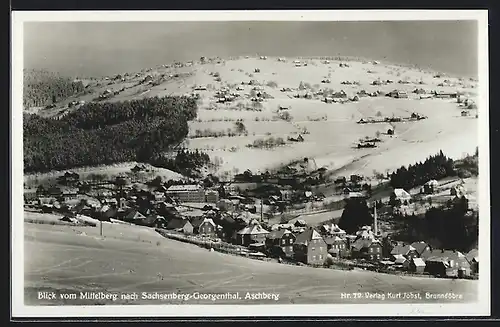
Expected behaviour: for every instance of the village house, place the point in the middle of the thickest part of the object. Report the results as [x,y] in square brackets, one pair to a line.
[310,248]
[253,233]
[282,239]
[152,220]
[431,186]
[333,230]
[106,212]
[407,251]
[447,263]
[336,246]
[211,196]
[445,94]
[225,205]
[341,94]
[207,227]
[401,262]
[401,195]
[417,265]
[366,248]
[286,195]
[30,196]
[421,248]
[187,193]
[69,178]
[133,215]
[398,94]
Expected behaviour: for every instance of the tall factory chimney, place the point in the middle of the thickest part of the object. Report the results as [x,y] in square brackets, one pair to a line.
[375,223]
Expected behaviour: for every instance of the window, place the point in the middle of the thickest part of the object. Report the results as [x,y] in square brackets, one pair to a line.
[320,249]
[314,257]
[313,248]
[378,250]
[371,250]
[283,242]
[320,257]
[290,248]
[290,241]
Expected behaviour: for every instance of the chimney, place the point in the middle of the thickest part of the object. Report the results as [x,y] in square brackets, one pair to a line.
[375,227]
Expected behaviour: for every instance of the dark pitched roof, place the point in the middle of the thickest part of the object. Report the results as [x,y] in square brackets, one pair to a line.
[306,236]
[177,223]
[134,214]
[332,239]
[446,255]
[402,249]
[277,234]
[419,246]
[196,222]
[361,243]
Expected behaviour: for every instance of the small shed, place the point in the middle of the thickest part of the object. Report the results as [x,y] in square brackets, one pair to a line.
[417,265]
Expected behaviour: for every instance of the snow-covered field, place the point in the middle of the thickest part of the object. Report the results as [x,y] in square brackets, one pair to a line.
[332,128]
[137,259]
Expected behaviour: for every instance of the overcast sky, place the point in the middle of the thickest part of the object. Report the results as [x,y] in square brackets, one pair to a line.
[102,48]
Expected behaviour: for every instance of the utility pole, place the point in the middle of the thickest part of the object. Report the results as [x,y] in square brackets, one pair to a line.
[100,223]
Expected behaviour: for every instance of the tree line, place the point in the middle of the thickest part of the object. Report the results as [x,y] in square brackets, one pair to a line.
[42,88]
[450,227]
[434,167]
[107,133]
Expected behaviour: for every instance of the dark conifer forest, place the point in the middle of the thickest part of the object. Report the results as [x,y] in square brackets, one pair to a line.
[107,133]
[435,167]
[42,88]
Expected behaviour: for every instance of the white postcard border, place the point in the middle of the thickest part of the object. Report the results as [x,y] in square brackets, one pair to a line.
[482,307]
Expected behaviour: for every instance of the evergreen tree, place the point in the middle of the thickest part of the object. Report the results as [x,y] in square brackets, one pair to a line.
[355,215]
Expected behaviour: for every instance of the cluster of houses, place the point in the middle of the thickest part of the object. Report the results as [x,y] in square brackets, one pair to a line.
[231,216]
[312,246]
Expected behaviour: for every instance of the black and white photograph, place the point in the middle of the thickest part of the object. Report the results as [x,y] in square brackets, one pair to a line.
[251,163]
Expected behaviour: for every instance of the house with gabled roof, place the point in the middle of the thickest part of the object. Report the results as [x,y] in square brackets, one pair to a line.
[367,248]
[207,227]
[310,247]
[421,247]
[401,262]
[251,234]
[133,215]
[336,246]
[407,251]
[447,263]
[401,195]
[417,265]
[180,225]
[281,239]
